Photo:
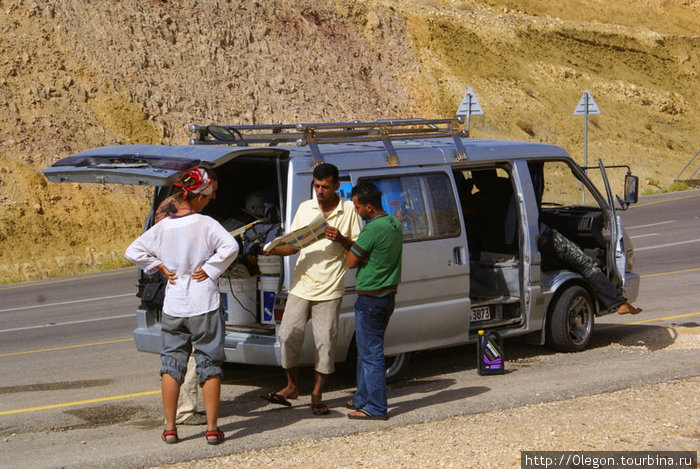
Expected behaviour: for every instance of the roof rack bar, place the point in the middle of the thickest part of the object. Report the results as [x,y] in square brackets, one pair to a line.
[316,153]
[384,122]
[314,134]
[461,151]
[392,156]
[370,138]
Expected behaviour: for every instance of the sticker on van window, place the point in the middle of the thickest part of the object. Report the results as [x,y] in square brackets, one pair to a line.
[345,190]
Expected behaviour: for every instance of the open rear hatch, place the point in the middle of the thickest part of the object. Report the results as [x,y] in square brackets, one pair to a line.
[149,165]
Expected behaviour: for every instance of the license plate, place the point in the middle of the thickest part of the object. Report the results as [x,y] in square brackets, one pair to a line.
[481,313]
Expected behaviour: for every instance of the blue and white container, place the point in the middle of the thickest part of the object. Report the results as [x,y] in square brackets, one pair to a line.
[268,286]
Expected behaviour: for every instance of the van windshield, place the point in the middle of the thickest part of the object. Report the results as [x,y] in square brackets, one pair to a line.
[557,186]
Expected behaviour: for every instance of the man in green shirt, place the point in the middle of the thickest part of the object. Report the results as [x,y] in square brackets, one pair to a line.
[377,256]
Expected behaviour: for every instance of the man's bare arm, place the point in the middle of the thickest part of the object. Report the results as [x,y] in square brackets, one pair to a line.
[281,251]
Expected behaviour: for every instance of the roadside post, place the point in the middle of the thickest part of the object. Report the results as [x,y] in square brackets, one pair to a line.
[585,106]
[469,105]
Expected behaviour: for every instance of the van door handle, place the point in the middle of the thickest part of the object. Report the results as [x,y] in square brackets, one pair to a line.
[459,255]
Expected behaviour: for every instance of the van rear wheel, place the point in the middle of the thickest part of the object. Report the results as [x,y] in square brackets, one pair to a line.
[396,366]
[571,320]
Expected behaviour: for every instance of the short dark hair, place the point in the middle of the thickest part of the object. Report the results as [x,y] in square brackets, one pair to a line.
[325,170]
[367,193]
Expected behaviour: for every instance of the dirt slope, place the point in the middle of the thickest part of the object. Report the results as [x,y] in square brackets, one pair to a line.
[76,74]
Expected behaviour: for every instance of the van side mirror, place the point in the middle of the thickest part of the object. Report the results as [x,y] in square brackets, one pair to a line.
[631,192]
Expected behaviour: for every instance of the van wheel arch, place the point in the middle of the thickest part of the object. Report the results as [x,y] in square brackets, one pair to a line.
[570,318]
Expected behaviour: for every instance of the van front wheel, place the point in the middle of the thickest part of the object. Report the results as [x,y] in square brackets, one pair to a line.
[571,320]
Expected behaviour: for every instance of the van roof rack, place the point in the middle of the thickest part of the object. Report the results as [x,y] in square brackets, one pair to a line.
[333,132]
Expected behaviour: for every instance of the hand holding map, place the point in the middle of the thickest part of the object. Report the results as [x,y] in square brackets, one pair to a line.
[302,237]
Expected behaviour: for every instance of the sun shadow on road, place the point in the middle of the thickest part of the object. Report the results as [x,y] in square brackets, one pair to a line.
[255,415]
[447,395]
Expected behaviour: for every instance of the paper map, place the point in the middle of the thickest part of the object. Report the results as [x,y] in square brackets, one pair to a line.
[302,237]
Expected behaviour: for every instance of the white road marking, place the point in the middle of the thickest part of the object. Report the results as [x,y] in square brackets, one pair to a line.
[67,302]
[667,245]
[651,224]
[644,236]
[54,324]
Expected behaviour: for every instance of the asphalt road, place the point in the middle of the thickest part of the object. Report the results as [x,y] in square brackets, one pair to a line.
[76,393]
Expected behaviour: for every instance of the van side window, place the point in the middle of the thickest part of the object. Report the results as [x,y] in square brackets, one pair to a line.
[425,205]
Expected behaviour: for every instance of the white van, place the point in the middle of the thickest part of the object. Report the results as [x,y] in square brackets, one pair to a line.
[470,256]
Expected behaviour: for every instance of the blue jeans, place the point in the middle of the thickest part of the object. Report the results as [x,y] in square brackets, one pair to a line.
[371,318]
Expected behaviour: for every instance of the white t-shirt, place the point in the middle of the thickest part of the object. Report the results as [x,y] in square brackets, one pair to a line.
[183,245]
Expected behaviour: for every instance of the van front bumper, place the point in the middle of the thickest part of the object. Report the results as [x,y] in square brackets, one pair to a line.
[632,281]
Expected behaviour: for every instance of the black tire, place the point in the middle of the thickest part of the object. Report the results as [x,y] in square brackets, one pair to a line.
[396,366]
[570,324]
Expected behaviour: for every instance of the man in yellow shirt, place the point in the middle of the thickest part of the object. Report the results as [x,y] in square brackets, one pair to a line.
[317,286]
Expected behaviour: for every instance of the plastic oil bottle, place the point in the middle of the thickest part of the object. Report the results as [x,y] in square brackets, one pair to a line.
[490,360]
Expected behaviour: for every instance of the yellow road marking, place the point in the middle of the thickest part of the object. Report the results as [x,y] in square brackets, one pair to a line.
[66,347]
[116,398]
[87,401]
[670,273]
[646,321]
[664,200]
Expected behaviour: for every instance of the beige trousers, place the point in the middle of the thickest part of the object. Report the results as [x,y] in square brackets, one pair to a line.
[324,323]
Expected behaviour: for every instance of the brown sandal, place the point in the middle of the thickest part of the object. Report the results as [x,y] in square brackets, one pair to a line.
[320,409]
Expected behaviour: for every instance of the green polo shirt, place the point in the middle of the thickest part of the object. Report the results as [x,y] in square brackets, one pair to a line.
[381,244]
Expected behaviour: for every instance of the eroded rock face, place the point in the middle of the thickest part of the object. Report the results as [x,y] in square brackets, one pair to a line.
[74,76]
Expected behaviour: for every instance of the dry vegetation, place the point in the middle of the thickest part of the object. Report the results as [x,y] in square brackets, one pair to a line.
[75,75]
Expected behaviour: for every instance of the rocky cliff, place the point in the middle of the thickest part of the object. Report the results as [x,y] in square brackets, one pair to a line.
[76,74]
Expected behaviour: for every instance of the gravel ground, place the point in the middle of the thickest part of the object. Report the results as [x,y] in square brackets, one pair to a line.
[661,416]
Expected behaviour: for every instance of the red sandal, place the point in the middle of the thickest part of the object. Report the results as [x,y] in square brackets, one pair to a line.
[169,441]
[217,433]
